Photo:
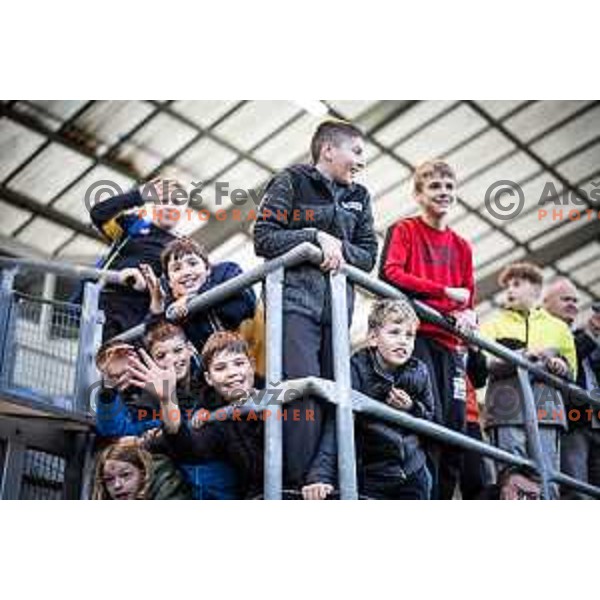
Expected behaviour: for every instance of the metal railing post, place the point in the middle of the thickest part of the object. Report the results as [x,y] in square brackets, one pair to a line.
[12,470]
[274,374]
[89,326]
[338,392]
[87,482]
[48,293]
[343,383]
[532,432]
[6,300]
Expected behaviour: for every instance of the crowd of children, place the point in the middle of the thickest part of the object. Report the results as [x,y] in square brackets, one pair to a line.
[176,413]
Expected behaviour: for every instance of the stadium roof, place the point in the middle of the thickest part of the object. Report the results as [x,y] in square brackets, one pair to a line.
[52,151]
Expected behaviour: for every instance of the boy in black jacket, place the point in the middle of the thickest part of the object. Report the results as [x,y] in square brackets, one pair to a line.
[236,433]
[322,204]
[392,464]
[134,240]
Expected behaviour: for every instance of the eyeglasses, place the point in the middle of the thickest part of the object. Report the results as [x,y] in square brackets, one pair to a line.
[523,494]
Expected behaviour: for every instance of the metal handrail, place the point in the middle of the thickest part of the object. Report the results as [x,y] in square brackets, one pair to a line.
[429,314]
[363,404]
[302,253]
[338,392]
[273,271]
[307,252]
[68,270]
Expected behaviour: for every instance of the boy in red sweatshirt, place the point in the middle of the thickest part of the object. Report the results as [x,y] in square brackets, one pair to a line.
[430,262]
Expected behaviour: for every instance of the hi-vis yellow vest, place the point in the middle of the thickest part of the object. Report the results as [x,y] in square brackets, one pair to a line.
[537,331]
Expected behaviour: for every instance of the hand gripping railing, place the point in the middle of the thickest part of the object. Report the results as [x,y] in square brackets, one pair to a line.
[348,401]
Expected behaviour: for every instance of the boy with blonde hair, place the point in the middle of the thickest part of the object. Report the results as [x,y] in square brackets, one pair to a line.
[392,462]
[429,261]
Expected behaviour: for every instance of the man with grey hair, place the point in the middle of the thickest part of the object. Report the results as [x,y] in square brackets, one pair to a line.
[561,299]
[580,446]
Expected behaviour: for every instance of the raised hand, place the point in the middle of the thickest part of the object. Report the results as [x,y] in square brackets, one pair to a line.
[157,295]
[160,189]
[133,278]
[146,374]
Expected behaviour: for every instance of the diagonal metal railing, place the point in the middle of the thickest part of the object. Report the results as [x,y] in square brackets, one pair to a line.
[339,391]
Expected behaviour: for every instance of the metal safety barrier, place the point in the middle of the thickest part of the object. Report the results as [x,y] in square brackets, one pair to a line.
[47,347]
[339,391]
[348,401]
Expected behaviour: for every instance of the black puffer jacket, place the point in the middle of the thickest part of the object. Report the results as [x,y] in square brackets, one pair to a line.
[386,451]
[134,240]
[588,364]
[321,205]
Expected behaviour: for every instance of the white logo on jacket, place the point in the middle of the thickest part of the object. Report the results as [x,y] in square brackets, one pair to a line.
[352,205]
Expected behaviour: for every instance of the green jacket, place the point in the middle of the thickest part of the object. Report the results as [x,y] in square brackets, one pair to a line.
[167,482]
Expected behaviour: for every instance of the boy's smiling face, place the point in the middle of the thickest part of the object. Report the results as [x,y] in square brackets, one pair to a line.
[187,274]
[437,195]
[345,160]
[231,374]
[394,341]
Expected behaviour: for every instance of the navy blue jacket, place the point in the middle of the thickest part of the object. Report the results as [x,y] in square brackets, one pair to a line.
[227,315]
[134,240]
[135,411]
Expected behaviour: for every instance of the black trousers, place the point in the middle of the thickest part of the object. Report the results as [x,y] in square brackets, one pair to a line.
[447,370]
[474,477]
[307,351]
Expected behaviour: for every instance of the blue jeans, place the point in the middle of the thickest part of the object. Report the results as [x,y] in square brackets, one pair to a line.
[212,480]
[580,458]
[477,473]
